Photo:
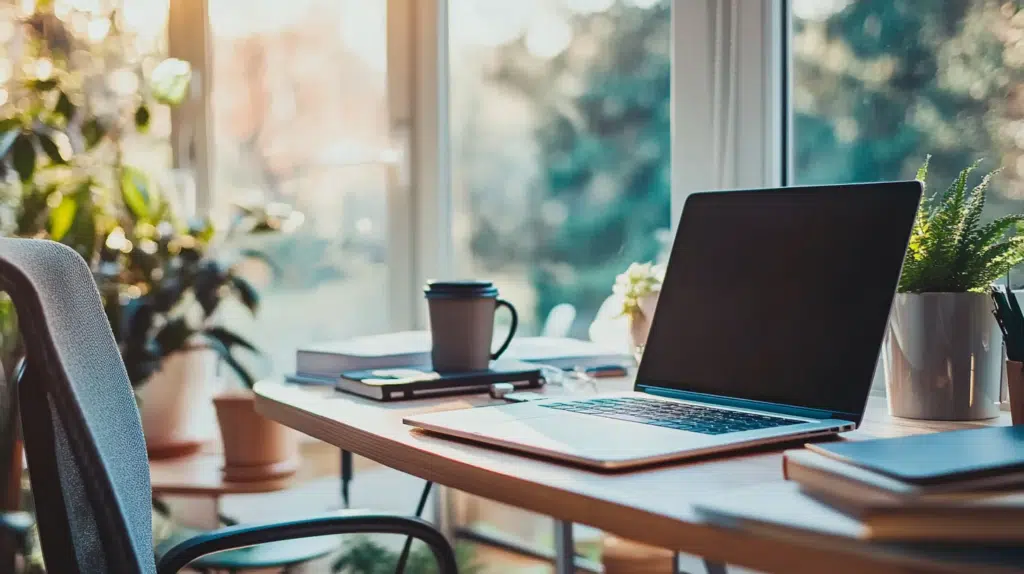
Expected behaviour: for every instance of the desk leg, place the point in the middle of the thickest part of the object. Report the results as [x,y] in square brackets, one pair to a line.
[443,513]
[346,476]
[565,549]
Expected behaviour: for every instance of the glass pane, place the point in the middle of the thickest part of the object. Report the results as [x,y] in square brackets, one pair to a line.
[560,134]
[300,118]
[879,85]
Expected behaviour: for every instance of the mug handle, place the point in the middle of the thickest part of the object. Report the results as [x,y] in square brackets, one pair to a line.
[511,330]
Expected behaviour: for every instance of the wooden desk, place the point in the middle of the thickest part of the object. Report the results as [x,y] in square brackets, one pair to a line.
[653,506]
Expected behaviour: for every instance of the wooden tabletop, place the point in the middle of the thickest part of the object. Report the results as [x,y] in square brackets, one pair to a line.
[653,506]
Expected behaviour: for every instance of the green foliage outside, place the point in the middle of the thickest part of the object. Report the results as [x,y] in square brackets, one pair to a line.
[877,85]
[880,84]
[950,250]
[605,155]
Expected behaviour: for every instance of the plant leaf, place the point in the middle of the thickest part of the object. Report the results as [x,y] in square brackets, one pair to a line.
[922,173]
[136,193]
[7,140]
[248,294]
[229,338]
[50,148]
[224,352]
[93,132]
[209,279]
[8,124]
[173,336]
[64,107]
[43,85]
[142,117]
[62,216]
[23,156]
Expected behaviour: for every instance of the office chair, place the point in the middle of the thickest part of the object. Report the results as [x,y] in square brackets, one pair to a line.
[83,438]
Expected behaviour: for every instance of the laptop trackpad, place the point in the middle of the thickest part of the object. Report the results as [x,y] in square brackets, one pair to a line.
[593,437]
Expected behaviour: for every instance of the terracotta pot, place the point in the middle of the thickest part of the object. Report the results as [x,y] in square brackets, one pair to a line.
[640,323]
[175,404]
[255,447]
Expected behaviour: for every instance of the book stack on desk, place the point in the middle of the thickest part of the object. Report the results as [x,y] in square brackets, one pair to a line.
[323,363]
[959,487]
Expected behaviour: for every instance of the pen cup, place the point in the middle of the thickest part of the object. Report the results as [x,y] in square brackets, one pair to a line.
[1015,390]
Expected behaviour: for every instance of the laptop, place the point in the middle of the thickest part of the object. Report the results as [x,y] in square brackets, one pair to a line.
[768,328]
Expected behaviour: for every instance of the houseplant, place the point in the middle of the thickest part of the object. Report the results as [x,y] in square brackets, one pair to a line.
[639,287]
[943,356]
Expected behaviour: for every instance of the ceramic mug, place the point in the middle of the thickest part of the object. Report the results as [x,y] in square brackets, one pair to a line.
[462,324]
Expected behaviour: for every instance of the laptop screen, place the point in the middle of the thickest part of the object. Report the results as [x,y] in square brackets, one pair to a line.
[781,295]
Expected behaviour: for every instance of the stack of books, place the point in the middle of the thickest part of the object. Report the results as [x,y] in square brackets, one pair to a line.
[957,487]
[323,363]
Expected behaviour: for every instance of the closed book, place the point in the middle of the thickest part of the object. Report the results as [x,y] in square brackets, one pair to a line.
[783,508]
[853,486]
[408,348]
[953,458]
[330,359]
[396,384]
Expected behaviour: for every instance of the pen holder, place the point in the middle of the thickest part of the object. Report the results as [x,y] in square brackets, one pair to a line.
[1015,390]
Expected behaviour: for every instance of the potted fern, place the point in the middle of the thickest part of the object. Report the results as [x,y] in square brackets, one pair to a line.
[943,357]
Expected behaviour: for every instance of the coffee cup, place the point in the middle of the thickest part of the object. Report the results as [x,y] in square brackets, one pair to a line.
[462,324]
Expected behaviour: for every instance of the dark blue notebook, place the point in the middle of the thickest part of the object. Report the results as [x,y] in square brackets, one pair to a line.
[936,458]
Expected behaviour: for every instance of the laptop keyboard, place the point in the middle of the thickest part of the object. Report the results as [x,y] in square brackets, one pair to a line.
[671,414]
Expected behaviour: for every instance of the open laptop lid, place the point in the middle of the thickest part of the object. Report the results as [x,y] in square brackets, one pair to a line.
[778,299]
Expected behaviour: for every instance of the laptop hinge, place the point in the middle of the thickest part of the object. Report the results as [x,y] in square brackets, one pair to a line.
[744,403]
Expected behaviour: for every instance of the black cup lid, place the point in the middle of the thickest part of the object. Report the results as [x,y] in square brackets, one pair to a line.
[458,289]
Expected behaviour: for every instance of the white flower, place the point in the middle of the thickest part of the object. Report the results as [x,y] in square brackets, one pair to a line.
[170,81]
[638,280]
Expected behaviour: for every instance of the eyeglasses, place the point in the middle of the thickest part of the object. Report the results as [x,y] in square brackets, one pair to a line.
[573,381]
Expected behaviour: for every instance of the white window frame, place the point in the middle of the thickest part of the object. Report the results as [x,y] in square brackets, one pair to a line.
[728,107]
[728,119]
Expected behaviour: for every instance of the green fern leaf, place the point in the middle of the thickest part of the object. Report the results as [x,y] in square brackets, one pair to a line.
[968,246]
[994,262]
[922,172]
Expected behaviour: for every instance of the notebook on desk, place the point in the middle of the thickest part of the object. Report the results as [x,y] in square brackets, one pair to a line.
[943,458]
[405,383]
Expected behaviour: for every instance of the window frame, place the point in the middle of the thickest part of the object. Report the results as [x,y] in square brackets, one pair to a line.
[728,82]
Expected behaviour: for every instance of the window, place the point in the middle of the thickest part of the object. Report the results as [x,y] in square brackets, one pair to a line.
[560,146]
[876,86]
[299,106]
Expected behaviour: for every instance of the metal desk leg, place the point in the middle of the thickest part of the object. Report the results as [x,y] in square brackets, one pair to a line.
[346,476]
[565,549]
[714,567]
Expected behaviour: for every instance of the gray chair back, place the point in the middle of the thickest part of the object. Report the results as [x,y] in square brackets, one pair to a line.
[83,439]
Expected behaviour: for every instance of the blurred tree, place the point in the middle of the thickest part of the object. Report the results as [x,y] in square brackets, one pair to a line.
[603,137]
[879,84]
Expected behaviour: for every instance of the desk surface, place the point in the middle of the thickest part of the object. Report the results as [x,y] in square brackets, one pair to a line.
[653,506]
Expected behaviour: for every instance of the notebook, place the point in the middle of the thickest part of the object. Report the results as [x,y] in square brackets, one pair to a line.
[936,458]
[855,487]
[404,383]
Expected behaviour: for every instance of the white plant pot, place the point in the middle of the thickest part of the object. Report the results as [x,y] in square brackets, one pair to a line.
[943,357]
[176,404]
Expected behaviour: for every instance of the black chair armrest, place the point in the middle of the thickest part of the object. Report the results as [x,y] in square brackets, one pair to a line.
[343,522]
